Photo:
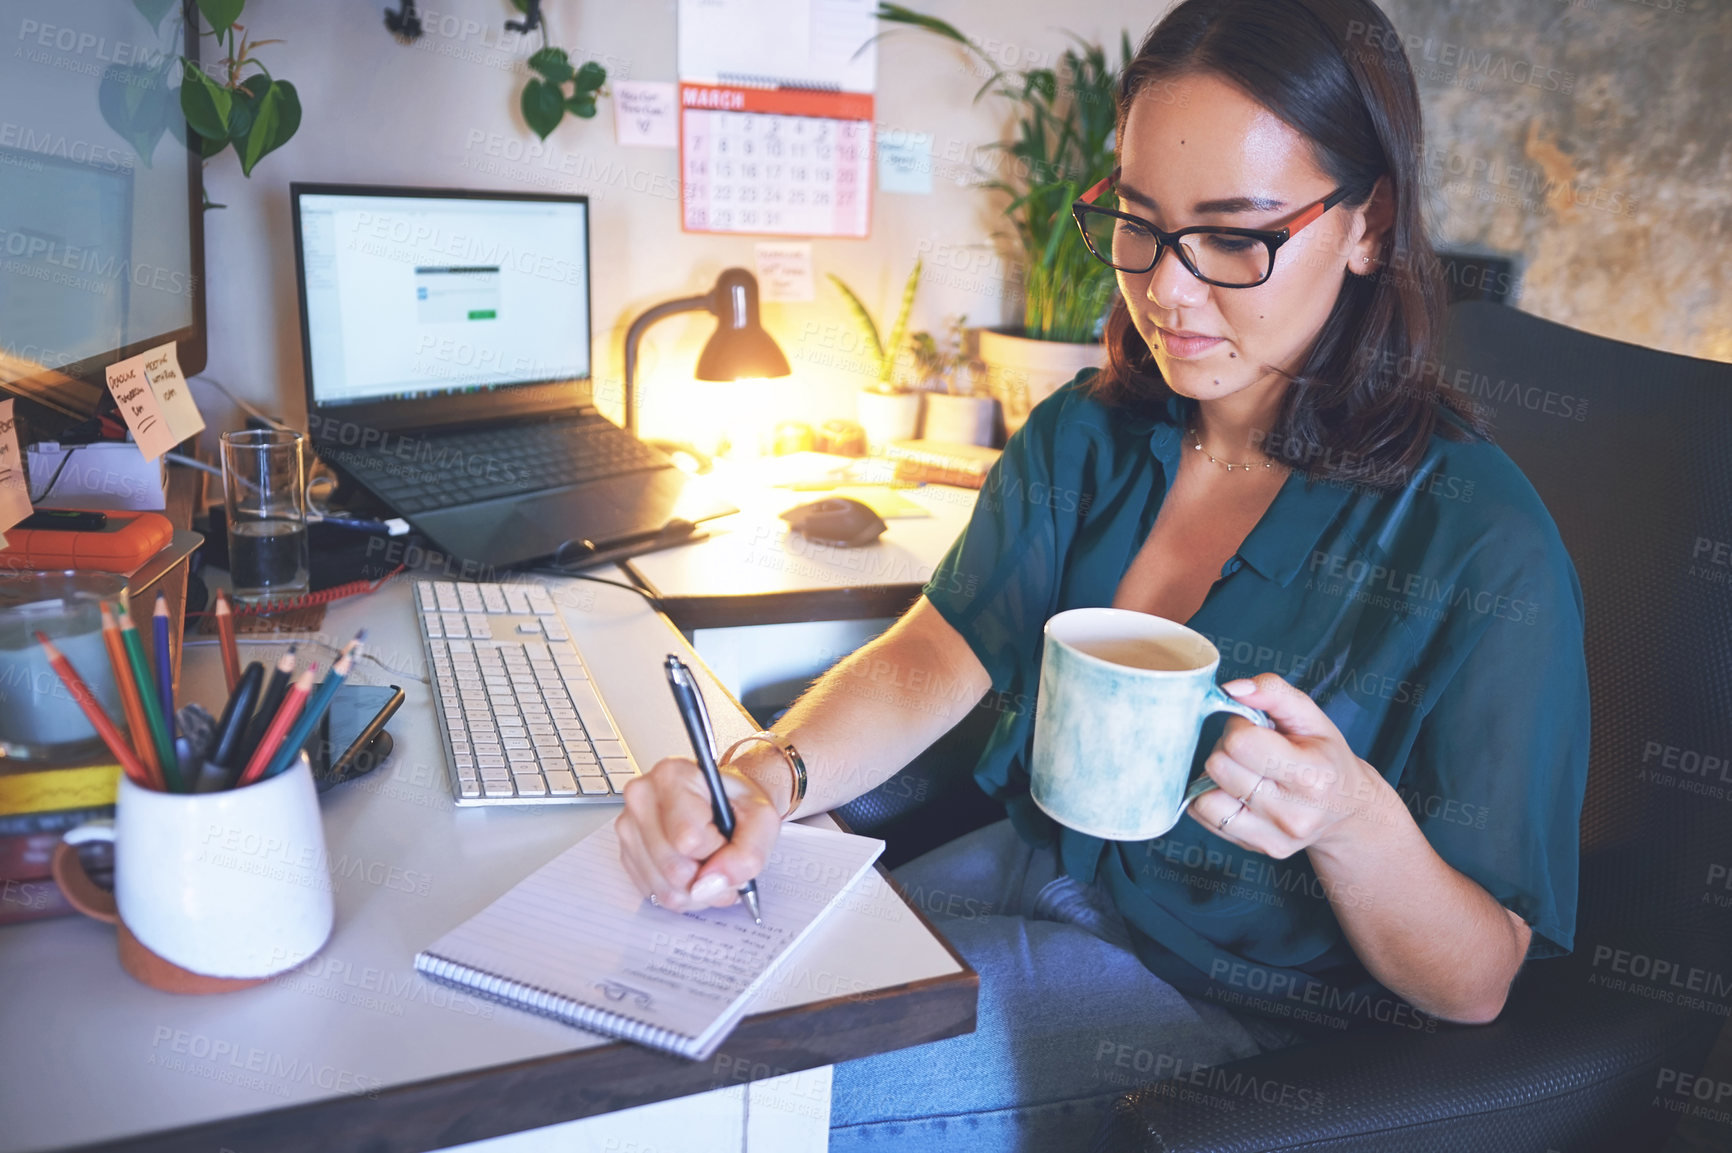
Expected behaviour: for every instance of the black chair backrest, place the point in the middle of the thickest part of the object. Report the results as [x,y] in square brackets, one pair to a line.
[1631,450]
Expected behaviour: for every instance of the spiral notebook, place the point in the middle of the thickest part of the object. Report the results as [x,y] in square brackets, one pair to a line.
[575,941]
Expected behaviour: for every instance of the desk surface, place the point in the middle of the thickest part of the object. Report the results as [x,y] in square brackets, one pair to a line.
[355,1048]
[753,570]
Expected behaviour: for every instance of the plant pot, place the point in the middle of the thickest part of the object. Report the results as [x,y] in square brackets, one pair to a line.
[959,419]
[887,416]
[1021,372]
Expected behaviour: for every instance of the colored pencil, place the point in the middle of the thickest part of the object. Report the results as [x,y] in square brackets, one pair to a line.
[269,703]
[225,622]
[137,730]
[152,704]
[316,706]
[99,721]
[291,708]
[164,663]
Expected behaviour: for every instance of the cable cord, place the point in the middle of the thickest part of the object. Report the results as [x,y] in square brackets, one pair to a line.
[654,602]
[245,406]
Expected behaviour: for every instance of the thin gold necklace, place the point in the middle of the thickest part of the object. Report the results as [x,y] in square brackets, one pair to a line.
[1197,443]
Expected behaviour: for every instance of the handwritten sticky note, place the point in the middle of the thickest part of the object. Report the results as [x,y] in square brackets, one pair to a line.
[905,162]
[645,114]
[154,400]
[14,492]
[785,272]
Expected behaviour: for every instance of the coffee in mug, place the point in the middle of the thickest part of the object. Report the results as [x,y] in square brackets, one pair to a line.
[1123,696]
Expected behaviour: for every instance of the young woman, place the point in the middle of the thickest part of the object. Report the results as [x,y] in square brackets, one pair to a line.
[1270,457]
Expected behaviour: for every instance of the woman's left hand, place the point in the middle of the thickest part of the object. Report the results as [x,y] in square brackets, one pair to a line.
[1288,788]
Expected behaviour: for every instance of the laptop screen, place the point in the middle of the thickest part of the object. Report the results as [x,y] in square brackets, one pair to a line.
[413,296]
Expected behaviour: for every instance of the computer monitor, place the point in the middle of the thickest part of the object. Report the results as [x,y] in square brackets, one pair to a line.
[101,200]
[426,307]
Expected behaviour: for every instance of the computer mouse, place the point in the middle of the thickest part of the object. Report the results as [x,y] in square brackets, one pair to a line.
[836,520]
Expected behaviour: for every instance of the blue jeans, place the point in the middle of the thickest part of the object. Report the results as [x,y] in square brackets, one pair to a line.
[1068,1018]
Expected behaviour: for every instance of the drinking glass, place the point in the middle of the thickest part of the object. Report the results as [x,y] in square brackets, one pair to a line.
[264,489]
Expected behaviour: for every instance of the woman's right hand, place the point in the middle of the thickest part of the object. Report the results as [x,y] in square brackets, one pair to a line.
[671,847]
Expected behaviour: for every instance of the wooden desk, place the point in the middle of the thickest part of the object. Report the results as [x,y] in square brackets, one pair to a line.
[752,570]
[355,1049]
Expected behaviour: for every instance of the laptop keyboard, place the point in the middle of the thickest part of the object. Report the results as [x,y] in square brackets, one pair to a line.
[464,468]
[522,722]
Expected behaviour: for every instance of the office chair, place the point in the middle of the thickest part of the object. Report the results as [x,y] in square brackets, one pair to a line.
[1641,489]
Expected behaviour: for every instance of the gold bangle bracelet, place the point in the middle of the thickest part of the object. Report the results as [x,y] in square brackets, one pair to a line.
[796,765]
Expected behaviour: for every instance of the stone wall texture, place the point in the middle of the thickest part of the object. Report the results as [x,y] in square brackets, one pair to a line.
[1591,140]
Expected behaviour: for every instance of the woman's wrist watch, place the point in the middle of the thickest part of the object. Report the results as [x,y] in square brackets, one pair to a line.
[791,755]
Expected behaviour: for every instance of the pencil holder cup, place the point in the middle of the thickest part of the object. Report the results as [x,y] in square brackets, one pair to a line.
[212,891]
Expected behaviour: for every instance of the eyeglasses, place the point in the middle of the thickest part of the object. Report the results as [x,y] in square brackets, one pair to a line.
[1224,257]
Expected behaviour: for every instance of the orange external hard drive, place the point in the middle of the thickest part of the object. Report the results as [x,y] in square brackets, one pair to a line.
[121,545]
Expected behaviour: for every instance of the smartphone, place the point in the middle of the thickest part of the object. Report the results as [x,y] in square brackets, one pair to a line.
[351,739]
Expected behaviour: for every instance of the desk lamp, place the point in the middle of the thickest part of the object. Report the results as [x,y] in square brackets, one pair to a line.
[739,348]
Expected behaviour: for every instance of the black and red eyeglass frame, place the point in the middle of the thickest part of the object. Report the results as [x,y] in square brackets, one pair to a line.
[1273,239]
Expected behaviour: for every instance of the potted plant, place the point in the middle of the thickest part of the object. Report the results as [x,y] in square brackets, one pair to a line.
[232,102]
[959,410]
[888,407]
[1063,143]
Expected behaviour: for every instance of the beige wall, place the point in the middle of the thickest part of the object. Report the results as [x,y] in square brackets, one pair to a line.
[1641,137]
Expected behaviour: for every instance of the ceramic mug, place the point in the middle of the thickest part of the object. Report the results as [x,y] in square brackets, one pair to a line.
[211,890]
[1123,696]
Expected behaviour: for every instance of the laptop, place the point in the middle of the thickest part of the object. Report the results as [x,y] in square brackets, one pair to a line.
[446,340]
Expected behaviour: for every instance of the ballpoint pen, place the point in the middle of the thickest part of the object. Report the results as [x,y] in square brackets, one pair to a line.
[266,710]
[697,722]
[223,762]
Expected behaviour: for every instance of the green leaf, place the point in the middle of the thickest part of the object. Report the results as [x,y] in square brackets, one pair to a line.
[276,119]
[153,10]
[246,99]
[221,13]
[867,325]
[205,103]
[901,14]
[590,77]
[136,103]
[581,105]
[543,104]
[893,347]
[552,63]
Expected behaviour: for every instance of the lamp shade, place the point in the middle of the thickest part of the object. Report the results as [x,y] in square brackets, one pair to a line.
[739,349]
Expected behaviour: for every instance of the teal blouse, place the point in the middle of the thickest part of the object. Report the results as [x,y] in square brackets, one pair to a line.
[1438,624]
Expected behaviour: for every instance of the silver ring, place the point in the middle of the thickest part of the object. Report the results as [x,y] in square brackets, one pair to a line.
[1226,820]
[654,900]
[1246,799]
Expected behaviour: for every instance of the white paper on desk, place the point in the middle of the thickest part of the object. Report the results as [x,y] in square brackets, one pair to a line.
[785,43]
[577,942]
[785,272]
[154,400]
[645,113]
[14,489]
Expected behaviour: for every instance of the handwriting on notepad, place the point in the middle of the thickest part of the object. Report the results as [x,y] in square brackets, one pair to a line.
[716,960]
[153,400]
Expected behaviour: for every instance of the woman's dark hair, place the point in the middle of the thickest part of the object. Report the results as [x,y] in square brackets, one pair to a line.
[1363,405]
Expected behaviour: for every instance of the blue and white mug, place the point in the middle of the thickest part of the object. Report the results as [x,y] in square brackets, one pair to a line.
[1123,696]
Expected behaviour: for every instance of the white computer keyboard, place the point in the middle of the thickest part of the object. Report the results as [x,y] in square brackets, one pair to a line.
[521,721]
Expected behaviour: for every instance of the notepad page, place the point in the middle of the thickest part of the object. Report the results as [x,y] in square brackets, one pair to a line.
[579,929]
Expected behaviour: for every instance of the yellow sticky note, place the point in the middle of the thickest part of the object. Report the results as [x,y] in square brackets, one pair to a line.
[154,400]
[14,493]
